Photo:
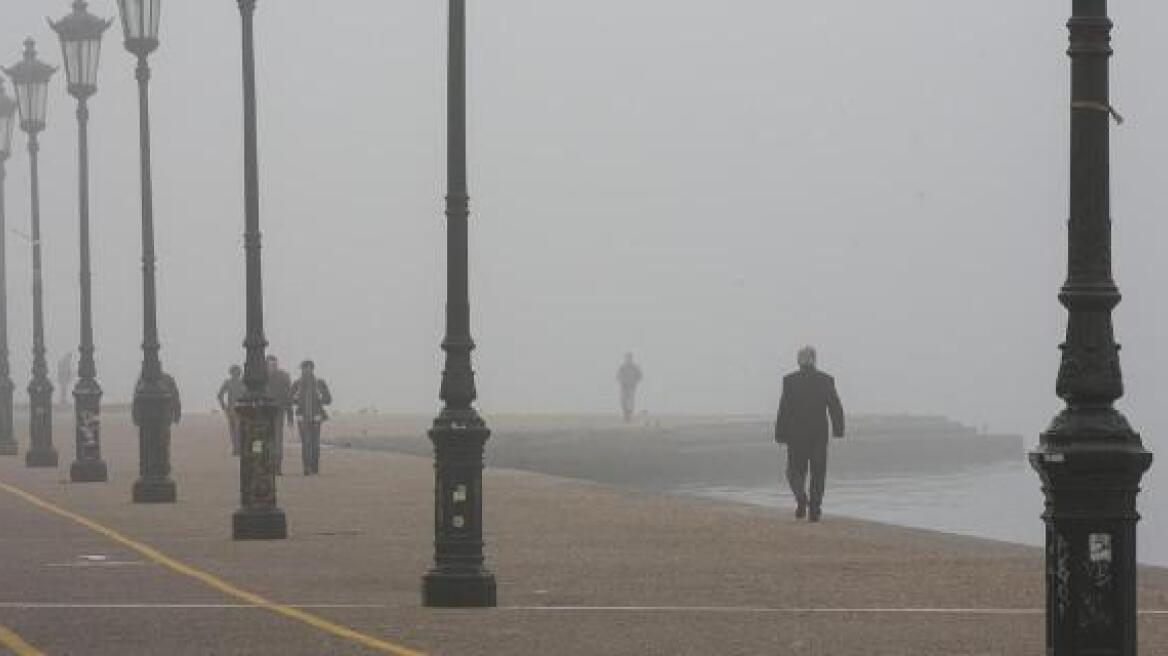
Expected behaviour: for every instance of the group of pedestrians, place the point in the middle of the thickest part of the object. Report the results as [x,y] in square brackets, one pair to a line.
[808,403]
[302,400]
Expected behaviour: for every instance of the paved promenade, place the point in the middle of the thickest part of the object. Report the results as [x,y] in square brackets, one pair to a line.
[582,569]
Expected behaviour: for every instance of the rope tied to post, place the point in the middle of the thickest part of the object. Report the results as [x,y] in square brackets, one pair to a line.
[1099,107]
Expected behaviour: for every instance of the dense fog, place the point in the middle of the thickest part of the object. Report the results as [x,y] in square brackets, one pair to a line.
[707,184]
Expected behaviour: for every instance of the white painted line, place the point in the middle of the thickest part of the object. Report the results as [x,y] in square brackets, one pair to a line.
[66,606]
[97,563]
[572,609]
[795,611]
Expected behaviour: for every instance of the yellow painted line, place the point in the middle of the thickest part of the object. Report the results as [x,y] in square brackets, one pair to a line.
[214,582]
[16,644]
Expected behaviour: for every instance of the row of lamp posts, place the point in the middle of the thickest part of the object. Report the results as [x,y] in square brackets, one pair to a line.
[1090,460]
[80,34]
[458,576]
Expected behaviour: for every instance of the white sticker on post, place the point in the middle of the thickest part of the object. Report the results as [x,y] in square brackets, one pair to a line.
[1099,547]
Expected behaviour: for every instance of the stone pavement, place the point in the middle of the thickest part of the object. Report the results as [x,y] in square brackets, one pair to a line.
[582,568]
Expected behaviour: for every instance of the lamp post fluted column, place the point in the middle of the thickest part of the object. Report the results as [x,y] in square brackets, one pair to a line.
[258,517]
[8,445]
[1089,459]
[156,404]
[81,34]
[30,78]
[88,466]
[153,399]
[459,576]
[40,391]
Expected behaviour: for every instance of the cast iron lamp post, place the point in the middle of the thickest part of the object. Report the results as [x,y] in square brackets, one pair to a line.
[153,397]
[31,78]
[80,34]
[7,119]
[258,517]
[1089,459]
[458,577]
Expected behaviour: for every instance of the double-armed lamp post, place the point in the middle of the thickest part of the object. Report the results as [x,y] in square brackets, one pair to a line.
[7,120]
[1090,460]
[153,398]
[30,77]
[81,34]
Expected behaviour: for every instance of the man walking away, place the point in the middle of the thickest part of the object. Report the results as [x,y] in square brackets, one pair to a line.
[229,392]
[629,375]
[808,400]
[310,394]
[280,391]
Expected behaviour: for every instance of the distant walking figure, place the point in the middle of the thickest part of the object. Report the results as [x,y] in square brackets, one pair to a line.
[310,395]
[629,375]
[808,399]
[175,399]
[229,392]
[64,375]
[280,391]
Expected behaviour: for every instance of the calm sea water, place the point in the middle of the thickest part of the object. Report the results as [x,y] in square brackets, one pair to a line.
[1001,501]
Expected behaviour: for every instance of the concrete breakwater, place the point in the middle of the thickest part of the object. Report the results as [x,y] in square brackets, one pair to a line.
[719,451]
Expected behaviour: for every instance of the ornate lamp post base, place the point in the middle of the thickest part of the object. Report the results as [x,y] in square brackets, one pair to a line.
[40,451]
[458,578]
[1090,463]
[458,589]
[41,458]
[88,471]
[259,524]
[152,412]
[88,467]
[155,490]
[258,517]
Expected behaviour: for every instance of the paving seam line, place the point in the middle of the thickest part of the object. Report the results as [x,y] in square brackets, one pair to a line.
[794,611]
[212,581]
[16,644]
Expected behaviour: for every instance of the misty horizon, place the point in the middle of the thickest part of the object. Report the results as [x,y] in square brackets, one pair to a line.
[707,186]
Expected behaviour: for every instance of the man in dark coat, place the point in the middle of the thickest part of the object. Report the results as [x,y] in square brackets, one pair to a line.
[310,395]
[280,390]
[809,399]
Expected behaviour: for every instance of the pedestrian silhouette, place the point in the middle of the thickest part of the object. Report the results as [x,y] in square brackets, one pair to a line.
[808,400]
[64,376]
[310,394]
[629,376]
[280,391]
[231,391]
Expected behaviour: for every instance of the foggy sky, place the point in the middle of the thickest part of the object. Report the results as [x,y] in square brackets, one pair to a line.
[707,184]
